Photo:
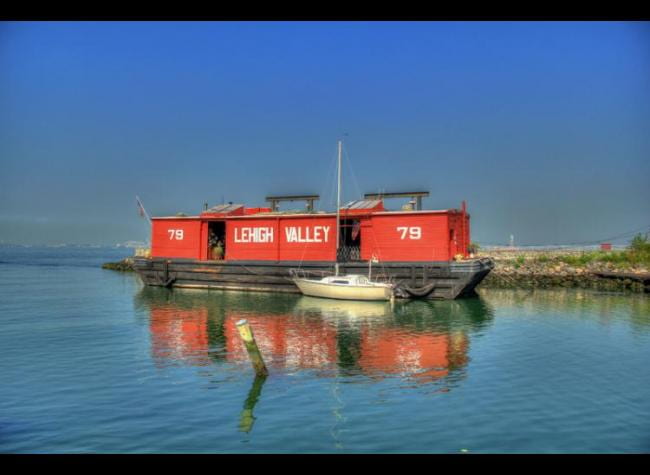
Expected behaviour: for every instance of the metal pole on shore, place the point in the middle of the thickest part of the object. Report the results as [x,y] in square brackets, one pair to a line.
[246,334]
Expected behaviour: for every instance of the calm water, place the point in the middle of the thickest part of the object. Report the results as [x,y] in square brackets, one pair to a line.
[93,362]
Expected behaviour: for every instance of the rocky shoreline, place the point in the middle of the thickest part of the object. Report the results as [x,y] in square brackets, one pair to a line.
[524,279]
[548,270]
[125,265]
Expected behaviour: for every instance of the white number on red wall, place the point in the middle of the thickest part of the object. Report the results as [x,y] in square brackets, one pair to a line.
[175,234]
[412,232]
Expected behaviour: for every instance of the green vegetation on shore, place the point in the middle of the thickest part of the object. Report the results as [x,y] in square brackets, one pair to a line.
[566,268]
[637,254]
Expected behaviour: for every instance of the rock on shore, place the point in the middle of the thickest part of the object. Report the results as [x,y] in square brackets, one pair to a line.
[125,265]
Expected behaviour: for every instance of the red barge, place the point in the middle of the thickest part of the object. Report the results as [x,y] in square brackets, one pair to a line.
[414,248]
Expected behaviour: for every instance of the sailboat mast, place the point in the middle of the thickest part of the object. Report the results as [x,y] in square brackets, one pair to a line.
[338,211]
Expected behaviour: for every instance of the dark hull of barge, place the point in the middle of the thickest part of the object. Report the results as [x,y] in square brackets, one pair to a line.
[450,279]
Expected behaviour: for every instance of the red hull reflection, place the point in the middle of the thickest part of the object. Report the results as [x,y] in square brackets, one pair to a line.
[284,341]
[179,334]
[390,351]
[373,346]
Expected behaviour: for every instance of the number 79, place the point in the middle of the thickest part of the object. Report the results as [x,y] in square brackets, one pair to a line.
[175,234]
[414,232]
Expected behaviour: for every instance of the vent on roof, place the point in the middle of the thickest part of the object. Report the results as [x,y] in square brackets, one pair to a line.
[416,196]
[225,208]
[362,204]
[362,207]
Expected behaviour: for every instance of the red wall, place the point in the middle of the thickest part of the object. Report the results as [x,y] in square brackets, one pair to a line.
[176,238]
[406,237]
[281,238]
[426,237]
[243,244]
[456,234]
[459,224]
[467,235]
[248,211]
[319,229]
[203,251]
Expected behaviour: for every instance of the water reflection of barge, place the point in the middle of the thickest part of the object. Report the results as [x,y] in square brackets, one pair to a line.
[415,248]
[419,340]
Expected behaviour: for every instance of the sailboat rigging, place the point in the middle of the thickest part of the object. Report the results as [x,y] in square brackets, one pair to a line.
[349,286]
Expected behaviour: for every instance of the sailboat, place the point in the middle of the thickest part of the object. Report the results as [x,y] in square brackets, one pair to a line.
[348,286]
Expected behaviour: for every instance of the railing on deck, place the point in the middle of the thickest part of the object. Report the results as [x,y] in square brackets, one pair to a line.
[309,273]
[349,254]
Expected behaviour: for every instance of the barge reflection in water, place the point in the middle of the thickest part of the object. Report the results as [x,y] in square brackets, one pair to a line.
[419,339]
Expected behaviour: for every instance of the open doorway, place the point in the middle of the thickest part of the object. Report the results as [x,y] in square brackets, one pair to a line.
[350,240]
[216,240]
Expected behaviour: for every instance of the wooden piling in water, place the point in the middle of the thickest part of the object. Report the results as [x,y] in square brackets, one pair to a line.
[246,334]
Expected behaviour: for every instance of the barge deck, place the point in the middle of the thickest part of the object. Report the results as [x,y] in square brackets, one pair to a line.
[450,279]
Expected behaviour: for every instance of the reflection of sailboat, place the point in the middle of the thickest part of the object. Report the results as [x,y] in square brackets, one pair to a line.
[345,287]
[348,308]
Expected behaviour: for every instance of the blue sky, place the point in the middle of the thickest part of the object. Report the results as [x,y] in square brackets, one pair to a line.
[542,127]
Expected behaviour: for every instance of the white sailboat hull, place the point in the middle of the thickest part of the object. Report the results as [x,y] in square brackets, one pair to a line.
[344,292]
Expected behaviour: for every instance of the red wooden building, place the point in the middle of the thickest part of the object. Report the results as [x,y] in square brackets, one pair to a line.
[234,247]
[251,234]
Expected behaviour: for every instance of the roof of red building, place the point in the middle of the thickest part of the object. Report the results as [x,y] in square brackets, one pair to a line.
[224,210]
